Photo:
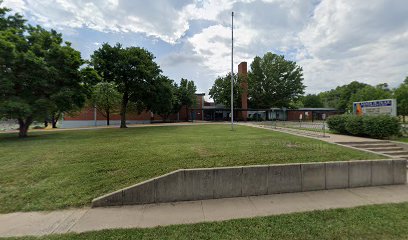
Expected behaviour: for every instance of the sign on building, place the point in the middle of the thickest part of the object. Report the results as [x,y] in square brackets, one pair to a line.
[376,107]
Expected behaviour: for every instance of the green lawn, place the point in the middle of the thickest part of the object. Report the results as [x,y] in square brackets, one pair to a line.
[388,221]
[402,139]
[61,169]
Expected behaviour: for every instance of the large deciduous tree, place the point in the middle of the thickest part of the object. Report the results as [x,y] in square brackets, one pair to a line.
[312,101]
[106,99]
[339,97]
[168,97]
[401,94]
[185,95]
[39,72]
[274,81]
[132,69]
[368,93]
[220,92]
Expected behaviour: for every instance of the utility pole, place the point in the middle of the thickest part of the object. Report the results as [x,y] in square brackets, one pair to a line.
[232,71]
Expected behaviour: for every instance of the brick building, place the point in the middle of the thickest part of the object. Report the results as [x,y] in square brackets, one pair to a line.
[207,111]
[91,117]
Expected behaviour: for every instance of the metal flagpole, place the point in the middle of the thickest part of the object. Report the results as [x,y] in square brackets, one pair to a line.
[232,71]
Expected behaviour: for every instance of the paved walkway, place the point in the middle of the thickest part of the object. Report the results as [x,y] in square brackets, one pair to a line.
[333,138]
[152,215]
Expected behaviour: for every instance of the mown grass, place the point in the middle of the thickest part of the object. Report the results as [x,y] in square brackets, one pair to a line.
[61,169]
[388,221]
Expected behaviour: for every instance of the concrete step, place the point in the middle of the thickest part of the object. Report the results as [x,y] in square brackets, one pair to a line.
[383,145]
[385,149]
[364,142]
[397,153]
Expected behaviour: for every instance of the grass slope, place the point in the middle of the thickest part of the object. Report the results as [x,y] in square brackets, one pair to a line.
[53,170]
[388,221]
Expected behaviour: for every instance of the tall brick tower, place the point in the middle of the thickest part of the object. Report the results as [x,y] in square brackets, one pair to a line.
[243,73]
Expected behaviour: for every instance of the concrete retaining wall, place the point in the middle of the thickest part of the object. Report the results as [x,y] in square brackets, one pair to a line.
[210,183]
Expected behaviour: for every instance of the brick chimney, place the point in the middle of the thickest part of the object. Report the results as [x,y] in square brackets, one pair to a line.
[243,73]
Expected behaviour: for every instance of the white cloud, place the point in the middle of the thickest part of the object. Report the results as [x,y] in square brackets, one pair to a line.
[335,41]
[353,40]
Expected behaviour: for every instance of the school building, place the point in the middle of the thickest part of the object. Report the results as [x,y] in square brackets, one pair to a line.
[203,111]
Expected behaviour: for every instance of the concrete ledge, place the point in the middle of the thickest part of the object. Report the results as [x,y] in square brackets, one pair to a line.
[337,175]
[284,178]
[359,174]
[255,181]
[382,173]
[313,176]
[227,182]
[199,184]
[210,183]
[399,172]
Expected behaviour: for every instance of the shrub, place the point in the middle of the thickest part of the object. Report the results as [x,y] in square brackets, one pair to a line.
[354,125]
[381,126]
[337,123]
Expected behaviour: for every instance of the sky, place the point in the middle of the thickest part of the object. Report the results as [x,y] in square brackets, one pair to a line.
[334,41]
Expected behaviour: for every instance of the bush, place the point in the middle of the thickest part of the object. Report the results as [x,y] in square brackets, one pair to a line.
[354,125]
[382,126]
[337,123]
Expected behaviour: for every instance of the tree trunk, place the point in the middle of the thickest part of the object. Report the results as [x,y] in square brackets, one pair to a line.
[125,100]
[54,119]
[187,114]
[54,122]
[107,117]
[24,125]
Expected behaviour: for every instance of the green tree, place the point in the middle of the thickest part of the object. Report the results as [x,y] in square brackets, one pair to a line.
[339,97]
[312,101]
[368,93]
[106,99]
[39,73]
[132,69]
[274,81]
[164,97]
[401,94]
[185,95]
[220,92]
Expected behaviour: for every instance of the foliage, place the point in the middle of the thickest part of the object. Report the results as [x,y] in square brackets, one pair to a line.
[164,101]
[312,101]
[89,78]
[186,93]
[401,94]
[106,99]
[132,69]
[354,125]
[337,123]
[274,81]
[368,93]
[381,126]
[220,92]
[339,97]
[40,73]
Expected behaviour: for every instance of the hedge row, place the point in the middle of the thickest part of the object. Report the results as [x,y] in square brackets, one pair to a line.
[382,126]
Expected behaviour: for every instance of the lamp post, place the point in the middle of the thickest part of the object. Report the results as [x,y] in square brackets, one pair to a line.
[232,71]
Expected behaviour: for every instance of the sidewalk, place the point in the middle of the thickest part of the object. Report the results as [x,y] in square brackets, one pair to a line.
[329,137]
[152,215]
